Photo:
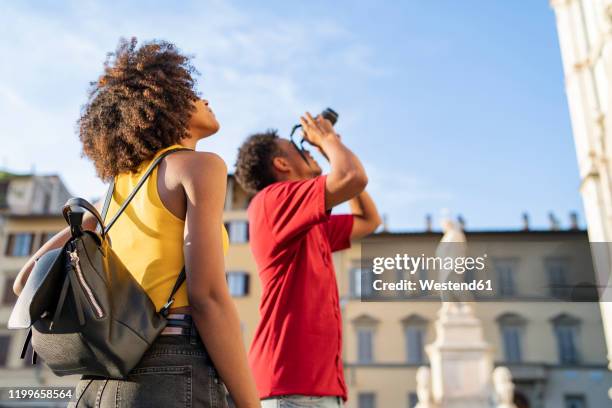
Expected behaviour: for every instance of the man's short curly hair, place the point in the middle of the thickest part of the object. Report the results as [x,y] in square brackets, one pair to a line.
[142,103]
[254,164]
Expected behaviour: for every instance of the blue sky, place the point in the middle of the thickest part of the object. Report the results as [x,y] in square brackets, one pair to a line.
[456,105]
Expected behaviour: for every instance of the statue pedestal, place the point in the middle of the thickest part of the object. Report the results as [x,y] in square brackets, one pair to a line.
[461,360]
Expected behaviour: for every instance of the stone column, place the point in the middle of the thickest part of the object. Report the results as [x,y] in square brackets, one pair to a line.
[585,38]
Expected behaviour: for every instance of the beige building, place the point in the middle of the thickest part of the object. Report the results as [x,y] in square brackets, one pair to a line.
[555,350]
[29,215]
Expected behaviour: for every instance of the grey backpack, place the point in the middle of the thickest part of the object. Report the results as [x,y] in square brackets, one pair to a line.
[85,312]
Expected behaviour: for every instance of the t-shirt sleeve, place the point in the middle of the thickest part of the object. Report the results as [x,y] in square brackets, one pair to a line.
[339,228]
[293,207]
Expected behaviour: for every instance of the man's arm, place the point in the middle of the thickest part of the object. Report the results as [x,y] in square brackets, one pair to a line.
[347,177]
[365,215]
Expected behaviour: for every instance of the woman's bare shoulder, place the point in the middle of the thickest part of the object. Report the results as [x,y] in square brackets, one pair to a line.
[191,166]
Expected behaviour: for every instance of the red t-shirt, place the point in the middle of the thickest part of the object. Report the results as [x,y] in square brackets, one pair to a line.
[297,348]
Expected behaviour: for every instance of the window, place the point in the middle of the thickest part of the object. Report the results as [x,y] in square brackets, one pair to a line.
[4,189]
[400,274]
[8,297]
[505,270]
[413,399]
[566,332]
[575,401]
[46,236]
[360,284]
[365,326]
[414,330]
[512,343]
[366,400]
[19,244]
[5,341]
[557,270]
[238,231]
[414,344]
[469,275]
[365,338]
[511,328]
[238,283]
[423,276]
[566,342]
[355,283]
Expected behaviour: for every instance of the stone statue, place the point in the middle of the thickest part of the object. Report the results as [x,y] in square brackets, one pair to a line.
[452,245]
[504,388]
[423,380]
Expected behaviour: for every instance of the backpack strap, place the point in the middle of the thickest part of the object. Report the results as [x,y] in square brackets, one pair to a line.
[107,200]
[181,278]
[24,349]
[138,186]
[109,194]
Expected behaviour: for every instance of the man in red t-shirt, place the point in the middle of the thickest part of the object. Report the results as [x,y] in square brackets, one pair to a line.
[296,351]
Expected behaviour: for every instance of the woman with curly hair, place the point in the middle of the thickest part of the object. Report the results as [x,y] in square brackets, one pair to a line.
[143,105]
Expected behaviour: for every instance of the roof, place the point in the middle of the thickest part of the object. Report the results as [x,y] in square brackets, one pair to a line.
[32,216]
[484,232]
[6,175]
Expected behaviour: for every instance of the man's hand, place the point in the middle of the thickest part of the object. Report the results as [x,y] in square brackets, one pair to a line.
[346,177]
[316,130]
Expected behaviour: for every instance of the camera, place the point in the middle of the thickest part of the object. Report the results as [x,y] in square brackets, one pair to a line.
[330,115]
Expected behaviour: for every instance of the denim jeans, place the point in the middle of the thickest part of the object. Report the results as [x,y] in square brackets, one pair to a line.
[176,371]
[301,401]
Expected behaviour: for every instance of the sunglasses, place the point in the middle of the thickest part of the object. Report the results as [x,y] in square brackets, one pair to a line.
[299,148]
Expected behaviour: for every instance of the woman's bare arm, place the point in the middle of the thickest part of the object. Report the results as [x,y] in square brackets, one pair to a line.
[213,309]
[57,241]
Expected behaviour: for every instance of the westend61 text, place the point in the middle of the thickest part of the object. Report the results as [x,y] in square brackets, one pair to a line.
[430,284]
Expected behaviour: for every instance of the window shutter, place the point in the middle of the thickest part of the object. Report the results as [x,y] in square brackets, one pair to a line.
[32,236]
[10,244]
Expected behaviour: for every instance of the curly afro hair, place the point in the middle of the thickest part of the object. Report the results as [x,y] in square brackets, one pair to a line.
[142,103]
[254,162]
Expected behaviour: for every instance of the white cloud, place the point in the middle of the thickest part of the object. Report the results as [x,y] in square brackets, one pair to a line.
[256,70]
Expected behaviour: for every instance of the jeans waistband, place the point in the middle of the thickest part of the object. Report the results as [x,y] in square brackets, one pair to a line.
[180,325]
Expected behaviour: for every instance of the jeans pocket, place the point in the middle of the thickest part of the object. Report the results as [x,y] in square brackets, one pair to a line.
[217,392]
[81,387]
[168,386]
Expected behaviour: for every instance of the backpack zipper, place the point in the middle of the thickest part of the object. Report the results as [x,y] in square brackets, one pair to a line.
[76,264]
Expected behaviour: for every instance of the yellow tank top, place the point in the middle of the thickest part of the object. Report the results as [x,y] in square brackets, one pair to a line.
[148,238]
